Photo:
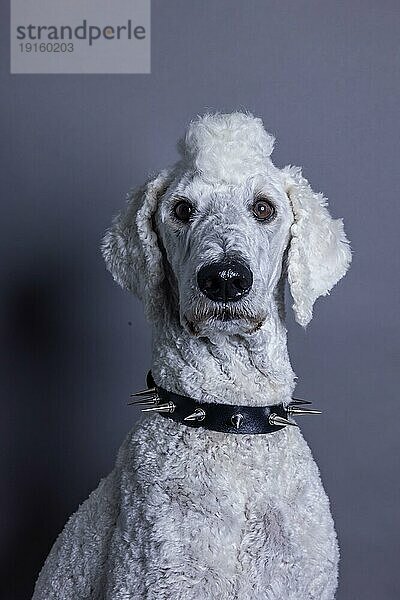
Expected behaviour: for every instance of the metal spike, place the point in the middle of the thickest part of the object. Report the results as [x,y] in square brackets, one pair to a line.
[153,400]
[148,392]
[275,419]
[295,410]
[298,401]
[167,407]
[198,415]
[237,420]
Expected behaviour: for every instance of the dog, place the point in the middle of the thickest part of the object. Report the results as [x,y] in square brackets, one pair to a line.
[191,511]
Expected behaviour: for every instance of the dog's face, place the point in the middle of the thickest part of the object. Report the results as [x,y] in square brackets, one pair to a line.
[224,245]
[218,226]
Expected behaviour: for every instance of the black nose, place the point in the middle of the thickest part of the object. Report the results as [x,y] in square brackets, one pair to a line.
[226,281]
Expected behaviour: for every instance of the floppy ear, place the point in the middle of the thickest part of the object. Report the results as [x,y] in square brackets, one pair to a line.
[130,247]
[319,252]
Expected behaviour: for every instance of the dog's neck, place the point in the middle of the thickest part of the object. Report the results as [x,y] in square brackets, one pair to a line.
[249,370]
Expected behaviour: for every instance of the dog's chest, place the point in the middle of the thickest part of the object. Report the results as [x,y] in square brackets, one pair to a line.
[203,507]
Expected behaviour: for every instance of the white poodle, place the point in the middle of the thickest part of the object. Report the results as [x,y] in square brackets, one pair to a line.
[198,507]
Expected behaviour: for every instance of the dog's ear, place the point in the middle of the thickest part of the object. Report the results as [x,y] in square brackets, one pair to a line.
[319,252]
[130,247]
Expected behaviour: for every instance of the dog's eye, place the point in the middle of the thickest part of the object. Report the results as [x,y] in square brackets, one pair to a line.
[263,210]
[183,211]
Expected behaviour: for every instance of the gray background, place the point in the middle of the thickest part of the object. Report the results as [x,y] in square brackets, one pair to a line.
[325,78]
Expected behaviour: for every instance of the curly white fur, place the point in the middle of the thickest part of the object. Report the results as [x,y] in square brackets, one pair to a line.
[190,513]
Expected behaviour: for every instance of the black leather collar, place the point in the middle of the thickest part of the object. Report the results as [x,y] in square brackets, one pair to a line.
[222,417]
[226,418]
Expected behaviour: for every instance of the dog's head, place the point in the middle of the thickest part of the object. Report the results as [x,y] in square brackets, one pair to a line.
[212,237]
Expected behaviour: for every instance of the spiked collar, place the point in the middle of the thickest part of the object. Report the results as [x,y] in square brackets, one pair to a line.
[227,418]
